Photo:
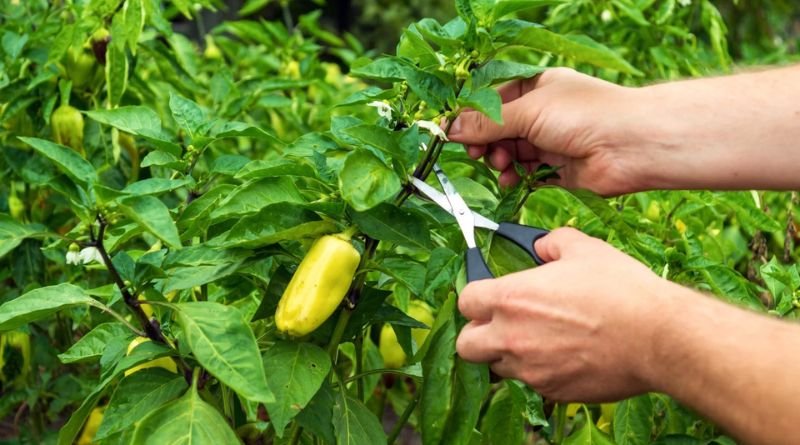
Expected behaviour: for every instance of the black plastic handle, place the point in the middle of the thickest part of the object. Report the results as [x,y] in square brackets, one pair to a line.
[476,266]
[523,236]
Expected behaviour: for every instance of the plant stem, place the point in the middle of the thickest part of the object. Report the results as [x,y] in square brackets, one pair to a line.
[359,343]
[561,422]
[287,16]
[297,432]
[338,332]
[153,331]
[401,422]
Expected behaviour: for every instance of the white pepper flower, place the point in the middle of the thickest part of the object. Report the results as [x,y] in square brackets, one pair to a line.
[384,109]
[90,254]
[433,128]
[685,2]
[606,16]
[73,255]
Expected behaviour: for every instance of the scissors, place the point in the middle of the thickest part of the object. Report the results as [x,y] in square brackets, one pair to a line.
[453,203]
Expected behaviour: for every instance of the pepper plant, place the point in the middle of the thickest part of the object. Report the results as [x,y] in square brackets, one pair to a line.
[166,261]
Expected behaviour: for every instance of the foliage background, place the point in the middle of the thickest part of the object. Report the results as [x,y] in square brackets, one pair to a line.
[280,87]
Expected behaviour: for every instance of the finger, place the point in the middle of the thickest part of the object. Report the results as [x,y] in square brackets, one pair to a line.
[476,128]
[501,156]
[503,368]
[476,151]
[560,243]
[511,91]
[476,343]
[475,300]
[508,178]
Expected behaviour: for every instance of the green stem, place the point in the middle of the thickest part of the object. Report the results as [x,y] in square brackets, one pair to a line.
[297,432]
[401,422]
[375,371]
[561,422]
[359,343]
[338,332]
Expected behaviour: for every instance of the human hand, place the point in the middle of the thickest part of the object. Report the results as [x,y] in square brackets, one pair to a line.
[581,327]
[562,118]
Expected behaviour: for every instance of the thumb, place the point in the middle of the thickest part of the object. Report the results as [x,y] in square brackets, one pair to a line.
[561,243]
[474,128]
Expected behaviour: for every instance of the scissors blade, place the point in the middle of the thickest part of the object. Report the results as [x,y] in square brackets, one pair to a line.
[440,199]
[460,209]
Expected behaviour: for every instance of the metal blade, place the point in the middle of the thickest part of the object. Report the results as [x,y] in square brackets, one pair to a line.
[440,199]
[460,209]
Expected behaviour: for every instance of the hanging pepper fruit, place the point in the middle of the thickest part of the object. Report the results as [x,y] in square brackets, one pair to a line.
[318,285]
[15,358]
[161,362]
[67,124]
[16,208]
[91,427]
[81,66]
[391,351]
[99,42]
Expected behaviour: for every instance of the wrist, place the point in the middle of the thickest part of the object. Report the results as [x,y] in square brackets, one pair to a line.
[663,339]
[653,149]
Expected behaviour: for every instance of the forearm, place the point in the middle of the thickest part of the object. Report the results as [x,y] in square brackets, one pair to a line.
[733,132]
[739,369]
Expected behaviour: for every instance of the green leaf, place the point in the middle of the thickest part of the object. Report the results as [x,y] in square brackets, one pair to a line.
[116,73]
[633,421]
[186,421]
[431,88]
[254,195]
[437,389]
[137,395]
[297,371]
[277,222]
[442,269]
[92,345]
[534,409]
[487,101]
[40,303]
[387,222]
[189,277]
[367,95]
[156,186]
[589,434]
[242,129]
[578,48]
[67,160]
[317,416]
[13,44]
[279,167]
[12,233]
[137,119]
[253,6]
[278,282]
[505,7]
[499,71]
[504,422]
[223,343]
[355,424]
[387,141]
[151,214]
[184,52]
[470,387]
[365,181]
[187,114]
[388,69]
[464,9]
[134,22]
